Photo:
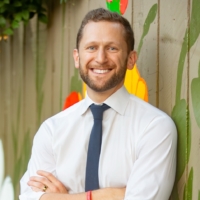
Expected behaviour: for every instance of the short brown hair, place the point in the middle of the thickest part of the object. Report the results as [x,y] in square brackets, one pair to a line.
[102,14]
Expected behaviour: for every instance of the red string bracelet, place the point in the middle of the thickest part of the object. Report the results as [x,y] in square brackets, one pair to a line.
[89,195]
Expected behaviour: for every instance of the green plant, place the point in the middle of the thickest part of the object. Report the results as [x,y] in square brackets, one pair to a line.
[63,1]
[13,12]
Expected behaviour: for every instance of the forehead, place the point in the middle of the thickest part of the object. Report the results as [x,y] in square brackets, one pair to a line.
[103,31]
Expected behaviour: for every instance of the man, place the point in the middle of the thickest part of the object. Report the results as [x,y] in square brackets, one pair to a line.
[138,145]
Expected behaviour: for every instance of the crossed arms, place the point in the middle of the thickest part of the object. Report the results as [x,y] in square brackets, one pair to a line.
[57,191]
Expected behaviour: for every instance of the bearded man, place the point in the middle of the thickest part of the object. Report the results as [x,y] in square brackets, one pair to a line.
[111,145]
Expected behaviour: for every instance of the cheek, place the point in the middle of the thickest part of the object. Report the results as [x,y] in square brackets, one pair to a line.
[85,59]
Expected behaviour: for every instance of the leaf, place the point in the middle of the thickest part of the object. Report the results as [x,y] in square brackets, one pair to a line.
[25,14]
[194,29]
[43,18]
[189,186]
[17,4]
[2,9]
[63,1]
[76,83]
[32,8]
[15,24]
[180,117]
[1,4]
[199,196]
[6,1]
[114,6]
[42,10]
[18,16]
[195,85]
[149,20]
[2,21]
[191,36]
[8,31]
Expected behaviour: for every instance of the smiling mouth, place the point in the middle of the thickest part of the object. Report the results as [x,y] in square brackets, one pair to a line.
[101,71]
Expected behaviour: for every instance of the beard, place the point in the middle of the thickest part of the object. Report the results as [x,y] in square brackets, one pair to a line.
[101,86]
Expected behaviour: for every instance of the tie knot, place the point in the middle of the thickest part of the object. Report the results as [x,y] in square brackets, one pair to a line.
[97,111]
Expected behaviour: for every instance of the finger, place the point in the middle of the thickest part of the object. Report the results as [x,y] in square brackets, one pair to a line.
[35,189]
[37,186]
[42,180]
[48,175]
[57,185]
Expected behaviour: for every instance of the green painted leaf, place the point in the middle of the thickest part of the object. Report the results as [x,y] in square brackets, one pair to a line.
[194,29]
[43,18]
[114,6]
[174,195]
[191,35]
[179,115]
[189,186]
[199,196]
[195,87]
[8,31]
[76,83]
[149,20]
[15,24]
[2,21]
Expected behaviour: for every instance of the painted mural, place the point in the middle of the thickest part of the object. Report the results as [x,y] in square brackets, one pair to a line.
[181,113]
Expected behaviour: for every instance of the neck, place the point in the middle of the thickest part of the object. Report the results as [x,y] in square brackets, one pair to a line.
[100,97]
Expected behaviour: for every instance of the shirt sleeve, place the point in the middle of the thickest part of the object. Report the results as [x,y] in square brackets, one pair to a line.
[153,173]
[42,158]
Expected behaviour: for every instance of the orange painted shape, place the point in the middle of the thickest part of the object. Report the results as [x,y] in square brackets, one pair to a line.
[123,6]
[73,98]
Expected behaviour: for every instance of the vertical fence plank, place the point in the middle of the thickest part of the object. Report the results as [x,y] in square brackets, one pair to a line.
[144,16]
[172,30]
[194,97]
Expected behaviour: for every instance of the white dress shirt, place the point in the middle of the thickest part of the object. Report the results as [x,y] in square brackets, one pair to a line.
[138,148]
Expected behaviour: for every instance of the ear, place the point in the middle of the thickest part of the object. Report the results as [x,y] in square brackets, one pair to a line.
[132,58]
[76,58]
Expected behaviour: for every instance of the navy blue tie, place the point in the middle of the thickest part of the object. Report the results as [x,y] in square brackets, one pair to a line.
[94,148]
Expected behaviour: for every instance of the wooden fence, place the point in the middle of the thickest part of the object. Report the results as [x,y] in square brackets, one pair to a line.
[37,73]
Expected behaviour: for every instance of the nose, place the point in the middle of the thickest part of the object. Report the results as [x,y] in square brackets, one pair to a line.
[101,56]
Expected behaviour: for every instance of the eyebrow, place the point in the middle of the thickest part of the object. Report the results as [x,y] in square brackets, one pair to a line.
[107,43]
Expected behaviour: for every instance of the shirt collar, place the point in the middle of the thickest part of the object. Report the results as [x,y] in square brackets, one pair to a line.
[118,101]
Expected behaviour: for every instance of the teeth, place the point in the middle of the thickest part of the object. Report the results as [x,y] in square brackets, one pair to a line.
[100,71]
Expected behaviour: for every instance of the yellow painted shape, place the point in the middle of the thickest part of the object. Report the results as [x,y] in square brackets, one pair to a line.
[135,84]
[79,96]
[84,89]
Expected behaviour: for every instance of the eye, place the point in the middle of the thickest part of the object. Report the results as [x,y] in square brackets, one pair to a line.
[112,49]
[91,48]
